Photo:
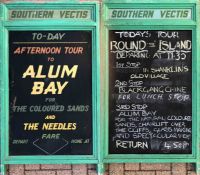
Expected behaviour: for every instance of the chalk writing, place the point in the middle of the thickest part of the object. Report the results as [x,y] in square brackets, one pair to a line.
[150,91]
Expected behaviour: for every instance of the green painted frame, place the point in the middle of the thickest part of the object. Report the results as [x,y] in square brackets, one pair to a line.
[91,25]
[154,24]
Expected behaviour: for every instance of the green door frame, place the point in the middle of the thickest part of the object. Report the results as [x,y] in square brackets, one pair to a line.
[91,24]
[152,24]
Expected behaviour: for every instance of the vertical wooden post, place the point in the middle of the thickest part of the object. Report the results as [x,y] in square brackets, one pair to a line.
[101,168]
[3,169]
[197,167]
[198,90]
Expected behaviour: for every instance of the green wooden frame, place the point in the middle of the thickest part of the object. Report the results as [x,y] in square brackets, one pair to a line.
[154,24]
[52,24]
[100,112]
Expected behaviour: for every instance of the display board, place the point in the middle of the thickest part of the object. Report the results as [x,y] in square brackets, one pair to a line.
[150,91]
[50,93]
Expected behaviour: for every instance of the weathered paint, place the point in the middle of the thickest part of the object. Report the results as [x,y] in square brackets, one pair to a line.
[49,14]
[150,14]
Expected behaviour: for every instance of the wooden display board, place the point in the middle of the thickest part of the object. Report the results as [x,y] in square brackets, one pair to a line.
[56,115]
[49,67]
[151,105]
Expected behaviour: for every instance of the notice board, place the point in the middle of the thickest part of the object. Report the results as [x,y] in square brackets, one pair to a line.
[49,102]
[150,92]
[151,100]
[49,113]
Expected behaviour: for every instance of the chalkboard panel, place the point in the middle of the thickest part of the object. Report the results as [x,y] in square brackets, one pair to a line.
[150,92]
[50,93]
